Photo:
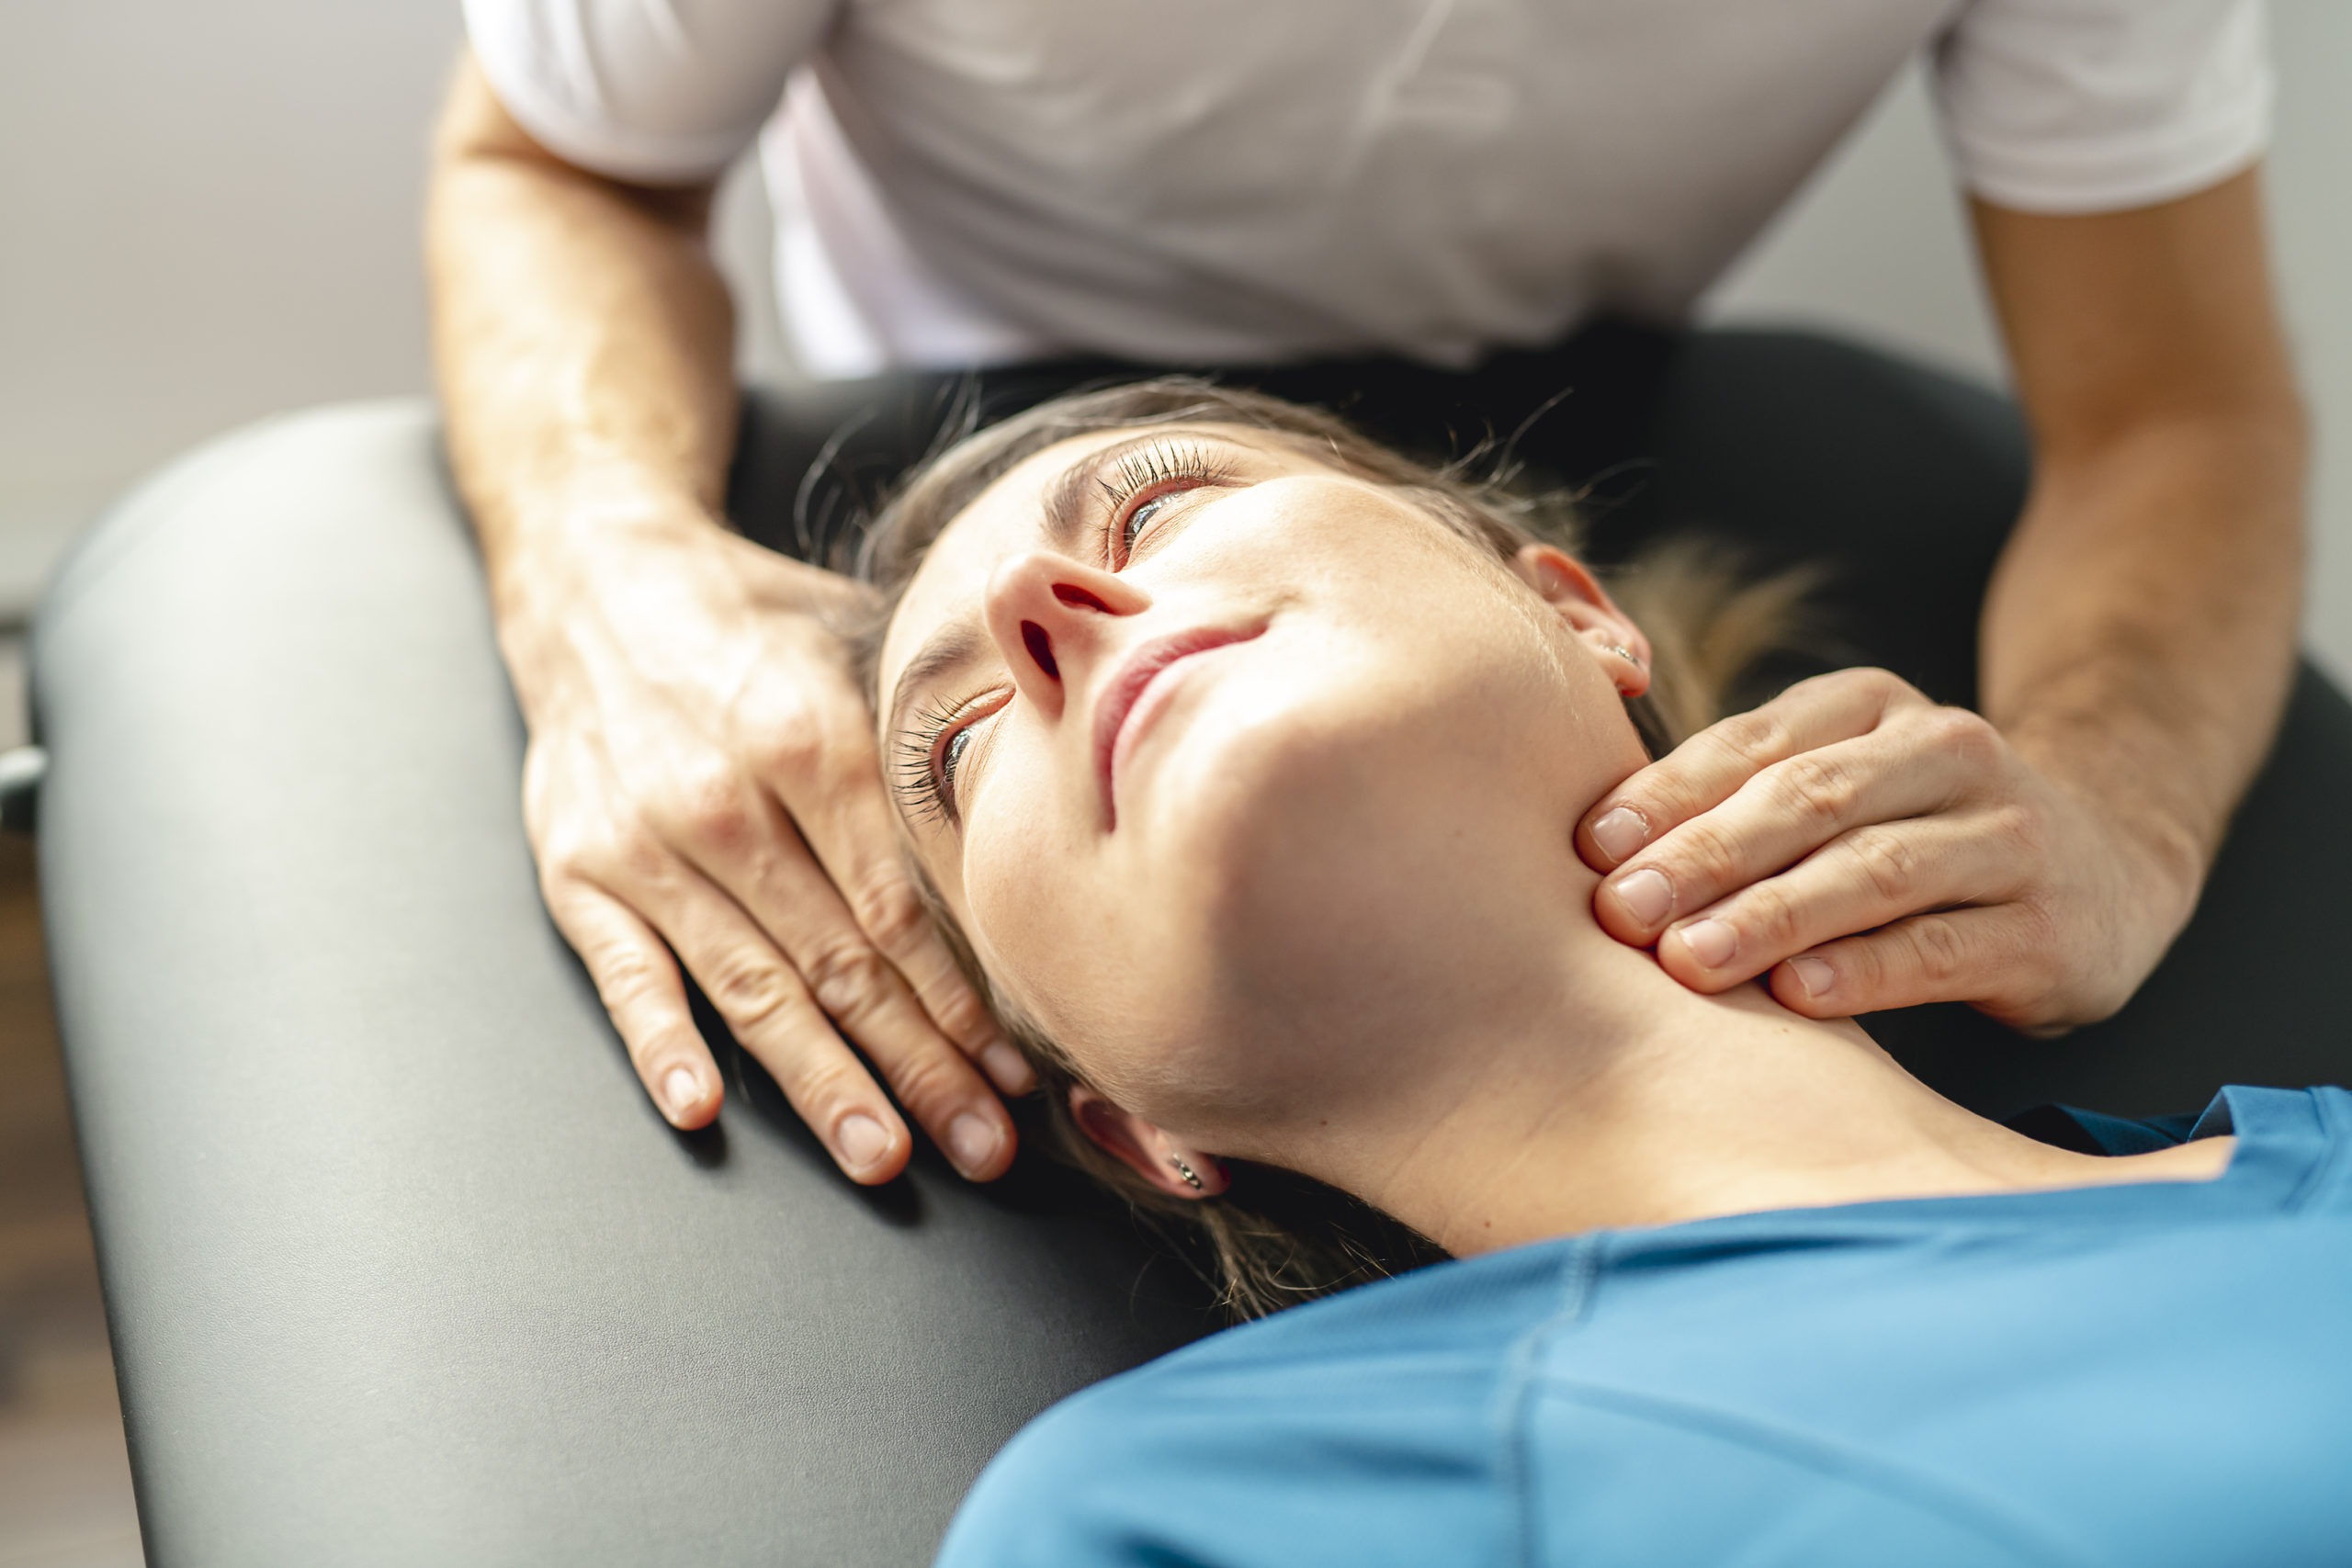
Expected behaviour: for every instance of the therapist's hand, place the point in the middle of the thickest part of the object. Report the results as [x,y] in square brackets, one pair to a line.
[702,788]
[1870,849]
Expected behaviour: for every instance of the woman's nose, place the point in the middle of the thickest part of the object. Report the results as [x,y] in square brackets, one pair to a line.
[1050,617]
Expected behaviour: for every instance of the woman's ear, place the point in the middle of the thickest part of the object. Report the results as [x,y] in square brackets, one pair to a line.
[1563,582]
[1178,1169]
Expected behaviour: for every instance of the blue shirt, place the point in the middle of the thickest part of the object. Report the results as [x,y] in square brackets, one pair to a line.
[2151,1374]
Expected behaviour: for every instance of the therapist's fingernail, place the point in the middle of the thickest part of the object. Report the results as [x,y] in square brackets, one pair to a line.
[1814,975]
[972,1142]
[862,1140]
[1711,942]
[1621,833]
[1007,1069]
[681,1092]
[1647,895]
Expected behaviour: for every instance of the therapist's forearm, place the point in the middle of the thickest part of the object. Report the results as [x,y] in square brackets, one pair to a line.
[584,340]
[2140,635]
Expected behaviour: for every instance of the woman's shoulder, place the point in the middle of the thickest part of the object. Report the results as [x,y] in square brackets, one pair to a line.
[1384,1394]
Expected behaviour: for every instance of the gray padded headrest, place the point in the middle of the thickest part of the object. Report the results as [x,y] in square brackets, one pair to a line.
[402,1269]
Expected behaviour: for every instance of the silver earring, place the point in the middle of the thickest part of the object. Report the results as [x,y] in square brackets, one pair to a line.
[1627,654]
[1192,1178]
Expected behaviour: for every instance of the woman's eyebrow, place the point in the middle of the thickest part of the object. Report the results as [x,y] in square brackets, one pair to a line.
[955,645]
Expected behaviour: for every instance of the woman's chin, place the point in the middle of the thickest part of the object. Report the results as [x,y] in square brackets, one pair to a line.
[1329,848]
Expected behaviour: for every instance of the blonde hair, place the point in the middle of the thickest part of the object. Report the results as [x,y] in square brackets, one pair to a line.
[1273,1238]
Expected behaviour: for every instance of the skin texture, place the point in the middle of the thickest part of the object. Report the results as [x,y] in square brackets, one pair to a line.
[2137,645]
[703,794]
[701,784]
[1326,915]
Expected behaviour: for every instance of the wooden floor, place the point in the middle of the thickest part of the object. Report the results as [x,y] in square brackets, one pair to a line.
[65,1480]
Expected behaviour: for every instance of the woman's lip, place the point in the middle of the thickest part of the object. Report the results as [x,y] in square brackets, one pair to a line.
[1124,692]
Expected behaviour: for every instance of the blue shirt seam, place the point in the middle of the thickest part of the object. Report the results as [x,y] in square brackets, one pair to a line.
[1982,1516]
[2322,1172]
[1579,1270]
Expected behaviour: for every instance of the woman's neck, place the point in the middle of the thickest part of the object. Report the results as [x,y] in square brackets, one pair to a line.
[1667,1106]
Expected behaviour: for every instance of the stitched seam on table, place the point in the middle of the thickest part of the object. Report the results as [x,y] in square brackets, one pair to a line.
[1983,1516]
[1580,1275]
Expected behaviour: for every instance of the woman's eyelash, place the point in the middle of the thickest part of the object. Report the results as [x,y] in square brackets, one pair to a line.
[1147,473]
[928,790]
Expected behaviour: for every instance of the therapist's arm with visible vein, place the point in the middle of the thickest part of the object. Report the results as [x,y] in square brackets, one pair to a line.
[701,786]
[2140,635]
[1870,850]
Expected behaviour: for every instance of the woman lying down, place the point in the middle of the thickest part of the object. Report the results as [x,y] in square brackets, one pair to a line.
[1236,752]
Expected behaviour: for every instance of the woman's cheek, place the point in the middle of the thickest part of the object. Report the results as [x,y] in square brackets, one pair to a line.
[1024,895]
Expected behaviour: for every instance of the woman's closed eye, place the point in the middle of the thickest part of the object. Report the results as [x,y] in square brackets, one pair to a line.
[933,752]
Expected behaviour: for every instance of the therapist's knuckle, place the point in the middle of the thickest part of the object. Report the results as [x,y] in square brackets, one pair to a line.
[931,1083]
[559,827]
[786,757]
[2027,983]
[824,1085]
[847,977]
[1887,862]
[958,1010]
[1768,914]
[2019,835]
[792,743]
[753,990]
[1941,953]
[842,762]
[1702,856]
[635,851]
[1801,693]
[565,853]
[625,974]
[696,801]
[617,850]
[2038,938]
[1831,687]
[1752,738]
[1814,788]
[1964,737]
[891,913]
[543,803]
[1882,686]
[1865,967]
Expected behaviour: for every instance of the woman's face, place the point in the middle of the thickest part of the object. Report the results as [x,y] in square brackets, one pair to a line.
[1241,773]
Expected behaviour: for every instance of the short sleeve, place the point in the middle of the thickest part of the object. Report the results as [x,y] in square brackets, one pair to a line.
[2095,106]
[660,92]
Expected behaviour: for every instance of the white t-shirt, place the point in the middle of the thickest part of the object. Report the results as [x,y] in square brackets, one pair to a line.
[963,182]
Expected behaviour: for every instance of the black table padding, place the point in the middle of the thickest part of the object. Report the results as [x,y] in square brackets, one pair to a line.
[401,1265]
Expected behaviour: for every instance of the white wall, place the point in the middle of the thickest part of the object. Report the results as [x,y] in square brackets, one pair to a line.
[208,212]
